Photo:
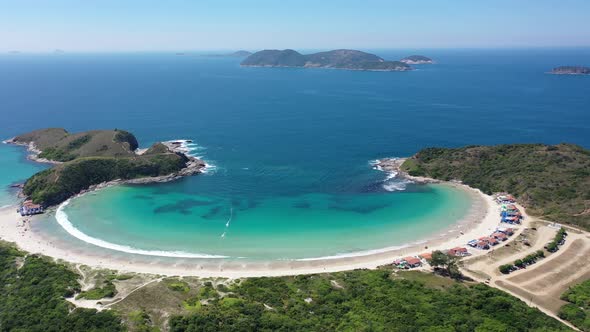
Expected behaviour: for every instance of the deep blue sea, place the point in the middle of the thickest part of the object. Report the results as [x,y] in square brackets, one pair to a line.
[278,136]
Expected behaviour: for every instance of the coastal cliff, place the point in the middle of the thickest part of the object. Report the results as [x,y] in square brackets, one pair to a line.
[336,59]
[89,159]
[571,70]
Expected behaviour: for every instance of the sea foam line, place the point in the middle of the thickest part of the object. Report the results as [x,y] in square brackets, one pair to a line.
[191,148]
[358,253]
[64,222]
[391,182]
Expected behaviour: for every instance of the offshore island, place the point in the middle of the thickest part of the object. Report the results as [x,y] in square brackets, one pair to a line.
[336,59]
[570,70]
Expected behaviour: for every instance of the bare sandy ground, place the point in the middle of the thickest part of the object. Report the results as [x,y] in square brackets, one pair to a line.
[482,219]
[541,284]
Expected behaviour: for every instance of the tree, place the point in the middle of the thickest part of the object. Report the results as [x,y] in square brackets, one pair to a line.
[446,263]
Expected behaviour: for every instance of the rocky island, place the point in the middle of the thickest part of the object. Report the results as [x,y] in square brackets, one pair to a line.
[89,159]
[571,70]
[336,59]
[417,60]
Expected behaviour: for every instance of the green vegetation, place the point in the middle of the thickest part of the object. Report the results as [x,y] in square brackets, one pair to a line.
[179,286]
[55,185]
[122,136]
[91,158]
[552,181]
[416,59]
[341,59]
[33,290]
[57,154]
[106,290]
[445,264]
[362,300]
[119,277]
[577,311]
[520,263]
[559,239]
[140,321]
[59,145]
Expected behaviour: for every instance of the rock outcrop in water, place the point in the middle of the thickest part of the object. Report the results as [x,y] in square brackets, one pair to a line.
[417,60]
[337,59]
[571,70]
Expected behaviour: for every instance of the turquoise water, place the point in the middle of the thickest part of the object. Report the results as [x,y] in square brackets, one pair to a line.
[14,168]
[302,226]
[291,147]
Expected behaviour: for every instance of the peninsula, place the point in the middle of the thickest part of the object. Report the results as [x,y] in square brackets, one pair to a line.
[87,159]
[336,59]
[551,181]
[571,70]
[417,60]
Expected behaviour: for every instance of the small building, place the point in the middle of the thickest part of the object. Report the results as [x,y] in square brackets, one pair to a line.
[490,240]
[426,256]
[412,262]
[458,251]
[506,230]
[500,236]
[482,245]
[29,208]
[505,198]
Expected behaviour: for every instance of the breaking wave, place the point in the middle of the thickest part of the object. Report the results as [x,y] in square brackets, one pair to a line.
[192,149]
[392,181]
[64,222]
[360,253]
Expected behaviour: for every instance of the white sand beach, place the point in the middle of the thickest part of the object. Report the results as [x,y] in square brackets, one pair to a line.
[482,219]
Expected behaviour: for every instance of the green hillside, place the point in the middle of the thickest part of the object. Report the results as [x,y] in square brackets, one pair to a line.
[59,145]
[90,158]
[552,181]
[339,59]
[33,290]
[361,300]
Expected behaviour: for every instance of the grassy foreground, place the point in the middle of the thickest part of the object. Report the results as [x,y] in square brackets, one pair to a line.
[577,311]
[552,181]
[33,290]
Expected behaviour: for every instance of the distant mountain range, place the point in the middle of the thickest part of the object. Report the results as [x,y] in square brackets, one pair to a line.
[337,59]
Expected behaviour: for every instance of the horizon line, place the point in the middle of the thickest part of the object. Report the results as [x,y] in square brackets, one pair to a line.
[71,51]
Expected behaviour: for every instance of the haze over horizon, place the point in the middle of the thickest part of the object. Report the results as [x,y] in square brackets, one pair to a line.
[178,25]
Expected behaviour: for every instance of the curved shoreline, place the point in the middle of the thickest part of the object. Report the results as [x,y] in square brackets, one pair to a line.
[480,221]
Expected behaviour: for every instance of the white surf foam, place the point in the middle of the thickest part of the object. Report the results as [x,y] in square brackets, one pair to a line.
[356,254]
[391,182]
[193,149]
[64,222]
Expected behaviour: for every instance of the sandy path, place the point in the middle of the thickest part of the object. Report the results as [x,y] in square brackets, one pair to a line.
[541,284]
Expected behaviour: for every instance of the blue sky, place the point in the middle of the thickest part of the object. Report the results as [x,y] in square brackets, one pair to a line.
[182,25]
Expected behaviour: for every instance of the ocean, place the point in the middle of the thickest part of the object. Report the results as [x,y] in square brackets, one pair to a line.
[290,149]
